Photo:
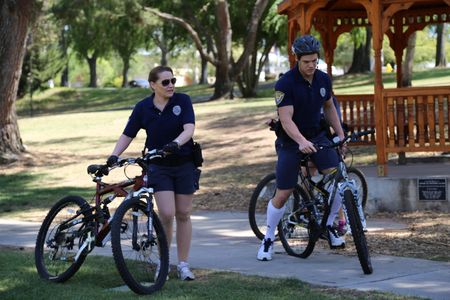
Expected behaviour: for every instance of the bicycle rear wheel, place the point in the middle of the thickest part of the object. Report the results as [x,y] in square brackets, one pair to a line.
[294,228]
[60,238]
[137,255]
[359,237]
[361,184]
[264,191]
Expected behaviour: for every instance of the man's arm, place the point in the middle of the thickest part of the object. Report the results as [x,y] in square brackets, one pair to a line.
[331,115]
[285,113]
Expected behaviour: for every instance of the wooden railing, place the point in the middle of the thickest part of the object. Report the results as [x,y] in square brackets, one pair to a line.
[417,119]
[358,112]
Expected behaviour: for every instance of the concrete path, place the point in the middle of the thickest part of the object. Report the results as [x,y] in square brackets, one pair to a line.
[224,241]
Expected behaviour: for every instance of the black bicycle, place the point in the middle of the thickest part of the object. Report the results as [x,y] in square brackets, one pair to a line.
[265,190]
[304,221]
[73,228]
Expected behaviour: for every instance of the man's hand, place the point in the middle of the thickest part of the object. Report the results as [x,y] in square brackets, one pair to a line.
[306,147]
[171,147]
[112,160]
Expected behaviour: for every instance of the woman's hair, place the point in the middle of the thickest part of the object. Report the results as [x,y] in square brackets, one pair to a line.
[154,73]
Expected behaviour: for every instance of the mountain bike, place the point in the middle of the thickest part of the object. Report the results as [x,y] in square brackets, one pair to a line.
[265,191]
[73,228]
[304,221]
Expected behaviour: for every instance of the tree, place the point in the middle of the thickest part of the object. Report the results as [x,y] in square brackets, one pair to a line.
[361,51]
[89,24]
[127,32]
[16,17]
[227,69]
[271,33]
[407,66]
[44,58]
[441,60]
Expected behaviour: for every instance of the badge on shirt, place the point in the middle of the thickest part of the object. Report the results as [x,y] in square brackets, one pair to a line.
[323,92]
[278,97]
[176,110]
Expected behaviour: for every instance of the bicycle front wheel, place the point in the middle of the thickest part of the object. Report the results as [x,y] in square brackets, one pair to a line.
[361,184]
[359,237]
[294,227]
[61,237]
[141,253]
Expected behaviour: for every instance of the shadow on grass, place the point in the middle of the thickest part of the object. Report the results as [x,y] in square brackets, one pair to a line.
[20,193]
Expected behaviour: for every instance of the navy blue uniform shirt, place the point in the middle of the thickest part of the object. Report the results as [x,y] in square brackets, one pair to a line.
[162,127]
[307,99]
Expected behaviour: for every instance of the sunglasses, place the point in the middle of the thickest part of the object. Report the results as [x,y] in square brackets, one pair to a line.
[166,82]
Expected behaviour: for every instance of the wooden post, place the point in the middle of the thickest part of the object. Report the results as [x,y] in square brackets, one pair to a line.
[375,14]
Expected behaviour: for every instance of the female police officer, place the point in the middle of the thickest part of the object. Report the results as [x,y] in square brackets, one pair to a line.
[299,95]
[168,119]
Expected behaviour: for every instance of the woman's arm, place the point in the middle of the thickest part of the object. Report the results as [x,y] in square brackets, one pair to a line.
[122,143]
[186,135]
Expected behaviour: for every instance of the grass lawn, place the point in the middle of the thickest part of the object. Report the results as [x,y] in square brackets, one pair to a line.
[99,279]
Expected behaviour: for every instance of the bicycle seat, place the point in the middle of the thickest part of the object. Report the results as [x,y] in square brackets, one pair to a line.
[98,170]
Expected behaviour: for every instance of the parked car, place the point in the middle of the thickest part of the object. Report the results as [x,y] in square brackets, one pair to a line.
[139,83]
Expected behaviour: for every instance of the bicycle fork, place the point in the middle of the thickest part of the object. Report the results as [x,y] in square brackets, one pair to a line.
[350,184]
[144,193]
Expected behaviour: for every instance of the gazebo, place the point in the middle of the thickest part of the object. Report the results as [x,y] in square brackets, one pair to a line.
[408,119]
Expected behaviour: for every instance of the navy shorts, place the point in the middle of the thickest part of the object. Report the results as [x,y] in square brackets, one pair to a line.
[182,179]
[289,156]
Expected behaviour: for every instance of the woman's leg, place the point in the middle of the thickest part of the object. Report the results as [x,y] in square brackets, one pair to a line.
[165,200]
[183,208]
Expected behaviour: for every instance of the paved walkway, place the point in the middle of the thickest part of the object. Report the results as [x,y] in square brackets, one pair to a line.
[224,241]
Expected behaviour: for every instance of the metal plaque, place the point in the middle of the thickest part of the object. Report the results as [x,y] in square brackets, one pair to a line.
[432,189]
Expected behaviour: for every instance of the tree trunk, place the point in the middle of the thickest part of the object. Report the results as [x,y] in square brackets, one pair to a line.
[204,72]
[409,59]
[441,60]
[15,20]
[222,86]
[65,76]
[361,55]
[92,62]
[407,78]
[126,67]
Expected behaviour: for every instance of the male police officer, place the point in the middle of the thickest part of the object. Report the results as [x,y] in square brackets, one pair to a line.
[300,94]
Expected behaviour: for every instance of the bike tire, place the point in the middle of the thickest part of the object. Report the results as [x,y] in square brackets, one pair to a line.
[137,264]
[361,184]
[294,230]
[359,237]
[257,217]
[55,251]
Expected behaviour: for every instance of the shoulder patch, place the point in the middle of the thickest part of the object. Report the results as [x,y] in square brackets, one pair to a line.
[278,97]
[322,92]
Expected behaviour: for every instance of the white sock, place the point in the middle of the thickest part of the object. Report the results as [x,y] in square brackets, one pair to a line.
[337,203]
[273,217]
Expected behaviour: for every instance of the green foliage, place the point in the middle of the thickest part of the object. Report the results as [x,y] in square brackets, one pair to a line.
[343,54]
[43,58]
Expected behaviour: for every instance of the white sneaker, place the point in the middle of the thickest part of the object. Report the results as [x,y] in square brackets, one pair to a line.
[265,250]
[184,273]
[334,239]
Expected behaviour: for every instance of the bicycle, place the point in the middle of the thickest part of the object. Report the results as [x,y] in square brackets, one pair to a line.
[73,228]
[304,221]
[265,191]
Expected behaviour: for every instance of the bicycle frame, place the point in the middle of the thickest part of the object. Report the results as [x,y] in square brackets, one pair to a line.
[117,190]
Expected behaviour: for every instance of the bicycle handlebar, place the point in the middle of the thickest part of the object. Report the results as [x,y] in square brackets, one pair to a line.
[103,170]
[353,137]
